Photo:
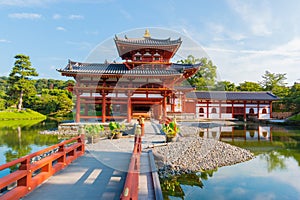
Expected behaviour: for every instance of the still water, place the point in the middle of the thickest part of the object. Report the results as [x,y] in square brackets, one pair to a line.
[20,138]
[274,173]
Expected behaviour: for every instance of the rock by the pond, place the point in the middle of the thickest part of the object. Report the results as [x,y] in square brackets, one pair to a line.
[195,154]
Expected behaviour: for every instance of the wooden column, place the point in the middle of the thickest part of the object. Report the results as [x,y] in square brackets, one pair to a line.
[164,106]
[129,110]
[183,102]
[207,109]
[173,103]
[86,109]
[258,110]
[245,111]
[103,101]
[232,110]
[129,103]
[77,118]
[271,109]
[103,106]
[220,112]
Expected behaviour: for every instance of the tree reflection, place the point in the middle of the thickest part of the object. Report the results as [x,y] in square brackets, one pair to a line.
[172,186]
[20,140]
[274,161]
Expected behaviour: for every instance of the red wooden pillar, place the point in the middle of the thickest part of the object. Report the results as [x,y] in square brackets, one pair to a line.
[271,109]
[77,118]
[86,109]
[103,107]
[26,180]
[173,103]
[245,111]
[164,106]
[232,110]
[258,110]
[129,110]
[220,111]
[207,109]
[183,102]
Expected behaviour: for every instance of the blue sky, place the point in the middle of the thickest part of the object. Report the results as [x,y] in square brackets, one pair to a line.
[242,38]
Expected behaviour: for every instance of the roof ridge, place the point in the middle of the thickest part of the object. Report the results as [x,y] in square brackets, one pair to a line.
[148,38]
[219,91]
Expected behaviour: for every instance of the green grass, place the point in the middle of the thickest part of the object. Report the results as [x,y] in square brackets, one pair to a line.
[22,115]
[19,123]
[295,117]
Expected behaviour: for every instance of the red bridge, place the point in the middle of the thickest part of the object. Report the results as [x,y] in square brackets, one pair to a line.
[140,182]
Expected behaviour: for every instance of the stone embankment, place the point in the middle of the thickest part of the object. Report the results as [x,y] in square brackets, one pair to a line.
[193,154]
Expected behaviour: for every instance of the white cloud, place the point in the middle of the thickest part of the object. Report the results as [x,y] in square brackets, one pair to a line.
[240,65]
[25,15]
[60,28]
[4,41]
[25,3]
[56,16]
[75,17]
[255,14]
[221,33]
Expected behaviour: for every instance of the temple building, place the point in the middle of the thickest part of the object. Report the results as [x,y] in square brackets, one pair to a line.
[148,84]
[231,105]
[145,82]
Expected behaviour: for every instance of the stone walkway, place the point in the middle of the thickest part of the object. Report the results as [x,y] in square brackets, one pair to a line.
[101,172]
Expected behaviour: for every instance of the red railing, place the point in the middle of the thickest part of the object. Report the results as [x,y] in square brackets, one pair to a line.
[35,168]
[130,190]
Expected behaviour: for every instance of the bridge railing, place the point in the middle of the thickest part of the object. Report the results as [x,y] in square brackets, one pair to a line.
[35,168]
[130,190]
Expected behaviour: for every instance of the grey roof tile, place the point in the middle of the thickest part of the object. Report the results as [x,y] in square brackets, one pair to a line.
[120,68]
[226,95]
[148,41]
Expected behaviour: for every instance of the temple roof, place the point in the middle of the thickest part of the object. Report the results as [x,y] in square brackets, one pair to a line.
[127,45]
[121,69]
[148,41]
[227,95]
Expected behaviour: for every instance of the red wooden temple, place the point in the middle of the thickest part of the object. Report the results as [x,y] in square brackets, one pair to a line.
[145,81]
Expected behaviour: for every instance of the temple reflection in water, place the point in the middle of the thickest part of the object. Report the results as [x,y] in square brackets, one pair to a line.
[238,133]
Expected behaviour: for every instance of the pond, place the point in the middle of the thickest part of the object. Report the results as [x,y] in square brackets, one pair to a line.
[274,173]
[20,138]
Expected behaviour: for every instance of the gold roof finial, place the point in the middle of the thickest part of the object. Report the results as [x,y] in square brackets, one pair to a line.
[147,34]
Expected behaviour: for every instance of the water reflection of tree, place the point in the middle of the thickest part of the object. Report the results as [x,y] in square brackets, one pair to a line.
[172,186]
[19,141]
[17,149]
[274,160]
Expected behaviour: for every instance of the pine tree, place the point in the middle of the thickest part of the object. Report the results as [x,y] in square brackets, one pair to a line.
[19,80]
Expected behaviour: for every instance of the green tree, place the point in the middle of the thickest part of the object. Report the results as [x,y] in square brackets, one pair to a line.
[41,84]
[19,81]
[205,78]
[272,80]
[249,86]
[3,90]
[292,101]
[53,102]
[224,86]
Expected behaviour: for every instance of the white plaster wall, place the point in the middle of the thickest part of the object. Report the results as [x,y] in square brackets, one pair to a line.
[226,129]
[248,110]
[213,116]
[178,107]
[248,137]
[226,115]
[168,108]
[264,132]
[264,116]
